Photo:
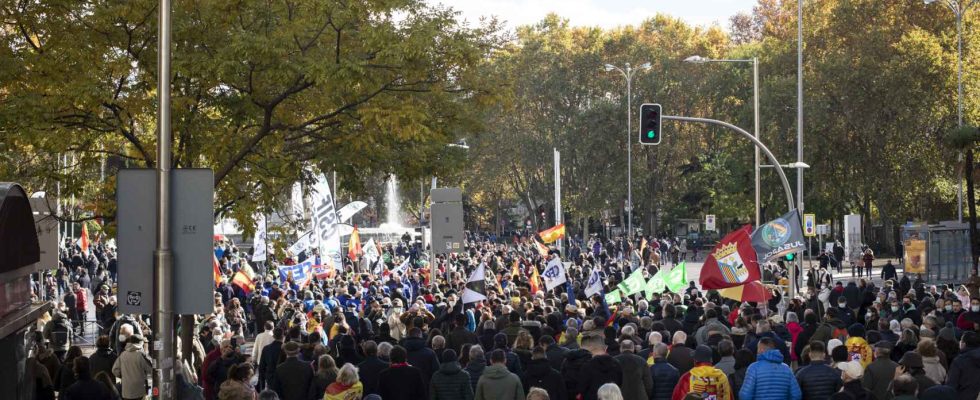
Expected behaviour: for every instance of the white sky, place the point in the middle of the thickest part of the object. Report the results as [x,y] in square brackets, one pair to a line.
[604,13]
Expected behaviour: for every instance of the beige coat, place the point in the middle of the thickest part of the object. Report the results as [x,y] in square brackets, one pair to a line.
[133,368]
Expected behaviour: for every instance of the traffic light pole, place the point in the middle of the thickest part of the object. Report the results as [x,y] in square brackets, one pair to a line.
[163,317]
[772,159]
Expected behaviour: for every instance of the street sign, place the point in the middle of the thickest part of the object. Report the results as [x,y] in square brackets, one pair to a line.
[809,225]
[192,239]
[709,222]
[823,229]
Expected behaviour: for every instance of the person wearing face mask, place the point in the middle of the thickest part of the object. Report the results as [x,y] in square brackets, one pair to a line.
[963,371]
[952,310]
[970,319]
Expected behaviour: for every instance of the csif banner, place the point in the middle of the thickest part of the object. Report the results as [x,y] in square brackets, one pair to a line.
[779,237]
[326,236]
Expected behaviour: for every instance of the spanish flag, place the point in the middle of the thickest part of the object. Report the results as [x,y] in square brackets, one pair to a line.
[83,241]
[243,281]
[217,270]
[514,272]
[354,245]
[542,249]
[552,234]
[535,278]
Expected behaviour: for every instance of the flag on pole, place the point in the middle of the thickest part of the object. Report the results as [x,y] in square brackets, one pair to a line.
[259,252]
[354,245]
[554,274]
[779,237]
[83,241]
[542,249]
[594,286]
[552,234]
[633,284]
[732,262]
[643,246]
[370,250]
[613,297]
[476,286]
[656,284]
[535,280]
[217,270]
[676,279]
[243,281]
[516,270]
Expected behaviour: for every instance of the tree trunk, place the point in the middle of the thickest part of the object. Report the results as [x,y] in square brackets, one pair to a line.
[971,201]
[585,229]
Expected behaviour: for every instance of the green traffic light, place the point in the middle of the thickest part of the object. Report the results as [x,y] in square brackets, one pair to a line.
[651,134]
[789,257]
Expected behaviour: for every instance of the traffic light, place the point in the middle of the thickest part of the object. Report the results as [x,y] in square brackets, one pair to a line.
[650,122]
[790,256]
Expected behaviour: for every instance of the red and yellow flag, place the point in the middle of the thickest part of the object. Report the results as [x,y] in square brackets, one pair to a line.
[243,281]
[354,245]
[516,270]
[83,241]
[542,249]
[217,270]
[535,279]
[552,234]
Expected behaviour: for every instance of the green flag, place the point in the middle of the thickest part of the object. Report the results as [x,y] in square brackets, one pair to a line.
[676,279]
[633,284]
[613,297]
[656,284]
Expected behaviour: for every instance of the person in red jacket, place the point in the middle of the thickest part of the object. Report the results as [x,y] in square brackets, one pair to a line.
[704,379]
[81,306]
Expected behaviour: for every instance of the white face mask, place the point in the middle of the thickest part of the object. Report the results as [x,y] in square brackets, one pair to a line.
[123,338]
[975,308]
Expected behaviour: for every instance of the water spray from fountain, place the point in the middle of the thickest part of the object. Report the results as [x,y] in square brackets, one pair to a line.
[393,206]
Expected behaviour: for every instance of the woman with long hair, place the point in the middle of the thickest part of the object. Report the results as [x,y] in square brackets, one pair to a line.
[66,374]
[326,373]
[906,343]
[523,345]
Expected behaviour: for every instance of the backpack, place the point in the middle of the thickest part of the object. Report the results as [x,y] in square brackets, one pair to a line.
[59,333]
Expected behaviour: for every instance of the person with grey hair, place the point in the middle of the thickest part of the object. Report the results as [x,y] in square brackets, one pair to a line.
[477,364]
[681,356]
[346,386]
[370,369]
[664,375]
[609,391]
[637,382]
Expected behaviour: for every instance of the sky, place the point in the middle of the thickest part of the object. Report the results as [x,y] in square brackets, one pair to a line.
[604,13]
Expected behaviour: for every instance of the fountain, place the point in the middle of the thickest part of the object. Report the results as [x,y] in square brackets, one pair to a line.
[392,228]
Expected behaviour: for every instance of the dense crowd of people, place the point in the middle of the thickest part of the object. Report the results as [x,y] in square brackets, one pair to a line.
[375,330]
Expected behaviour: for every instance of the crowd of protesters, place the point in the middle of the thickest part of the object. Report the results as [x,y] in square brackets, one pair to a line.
[365,332]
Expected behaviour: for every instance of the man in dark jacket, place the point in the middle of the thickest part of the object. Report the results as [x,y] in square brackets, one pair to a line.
[965,368]
[450,382]
[401,381]
[599,370]
[292,378]
[637,382]
[555,353]
[664,376]
[103,358]
[460,335]
[681,356]
[539,373]
[572,368]
[879,374]
[888,271]
[671,324]
[420,356]
[269,358]
[371,367]
[818,380]
[477,364]
[513,361]
[85,388]
[231,354]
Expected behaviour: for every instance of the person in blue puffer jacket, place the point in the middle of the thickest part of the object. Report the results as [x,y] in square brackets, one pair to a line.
[768,378]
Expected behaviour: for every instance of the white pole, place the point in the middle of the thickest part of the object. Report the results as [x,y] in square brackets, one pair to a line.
[558,216]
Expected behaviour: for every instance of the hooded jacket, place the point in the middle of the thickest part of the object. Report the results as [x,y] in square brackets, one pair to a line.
[421,357]
[770,379]
[450,383]
[572,367]
[132,367]
[539,373]
[818,380]
[963,372]
[497,383]
[598,371]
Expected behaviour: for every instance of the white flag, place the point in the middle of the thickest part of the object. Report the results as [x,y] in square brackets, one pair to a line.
[346,212]
[326,236]
[594,286]
[371,251]
[554,274]
[304,242]
[475,287]
[258,243]
[296,201]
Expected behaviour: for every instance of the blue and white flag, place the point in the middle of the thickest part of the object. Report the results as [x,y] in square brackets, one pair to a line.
[594,286]
[554,274]
[301,272]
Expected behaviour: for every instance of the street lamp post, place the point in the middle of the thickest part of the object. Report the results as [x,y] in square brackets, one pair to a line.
[959,8]
[755,101]
[628,73]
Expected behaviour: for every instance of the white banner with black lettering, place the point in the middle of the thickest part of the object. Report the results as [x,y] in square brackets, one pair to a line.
[325,235]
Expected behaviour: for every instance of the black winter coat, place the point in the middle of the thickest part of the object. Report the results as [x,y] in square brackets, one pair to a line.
[818,381]
[556,355]
[292,379]
[450,382]
[539,373]
[572,368]
[402,383]
[599,371]
[421,357]
[665,378]
[369,370]
[101,361]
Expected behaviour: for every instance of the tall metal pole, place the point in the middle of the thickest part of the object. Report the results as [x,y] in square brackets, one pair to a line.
[163,345]
[558,216]
[755,165]
[959,99]
[629,153]
[799,129]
